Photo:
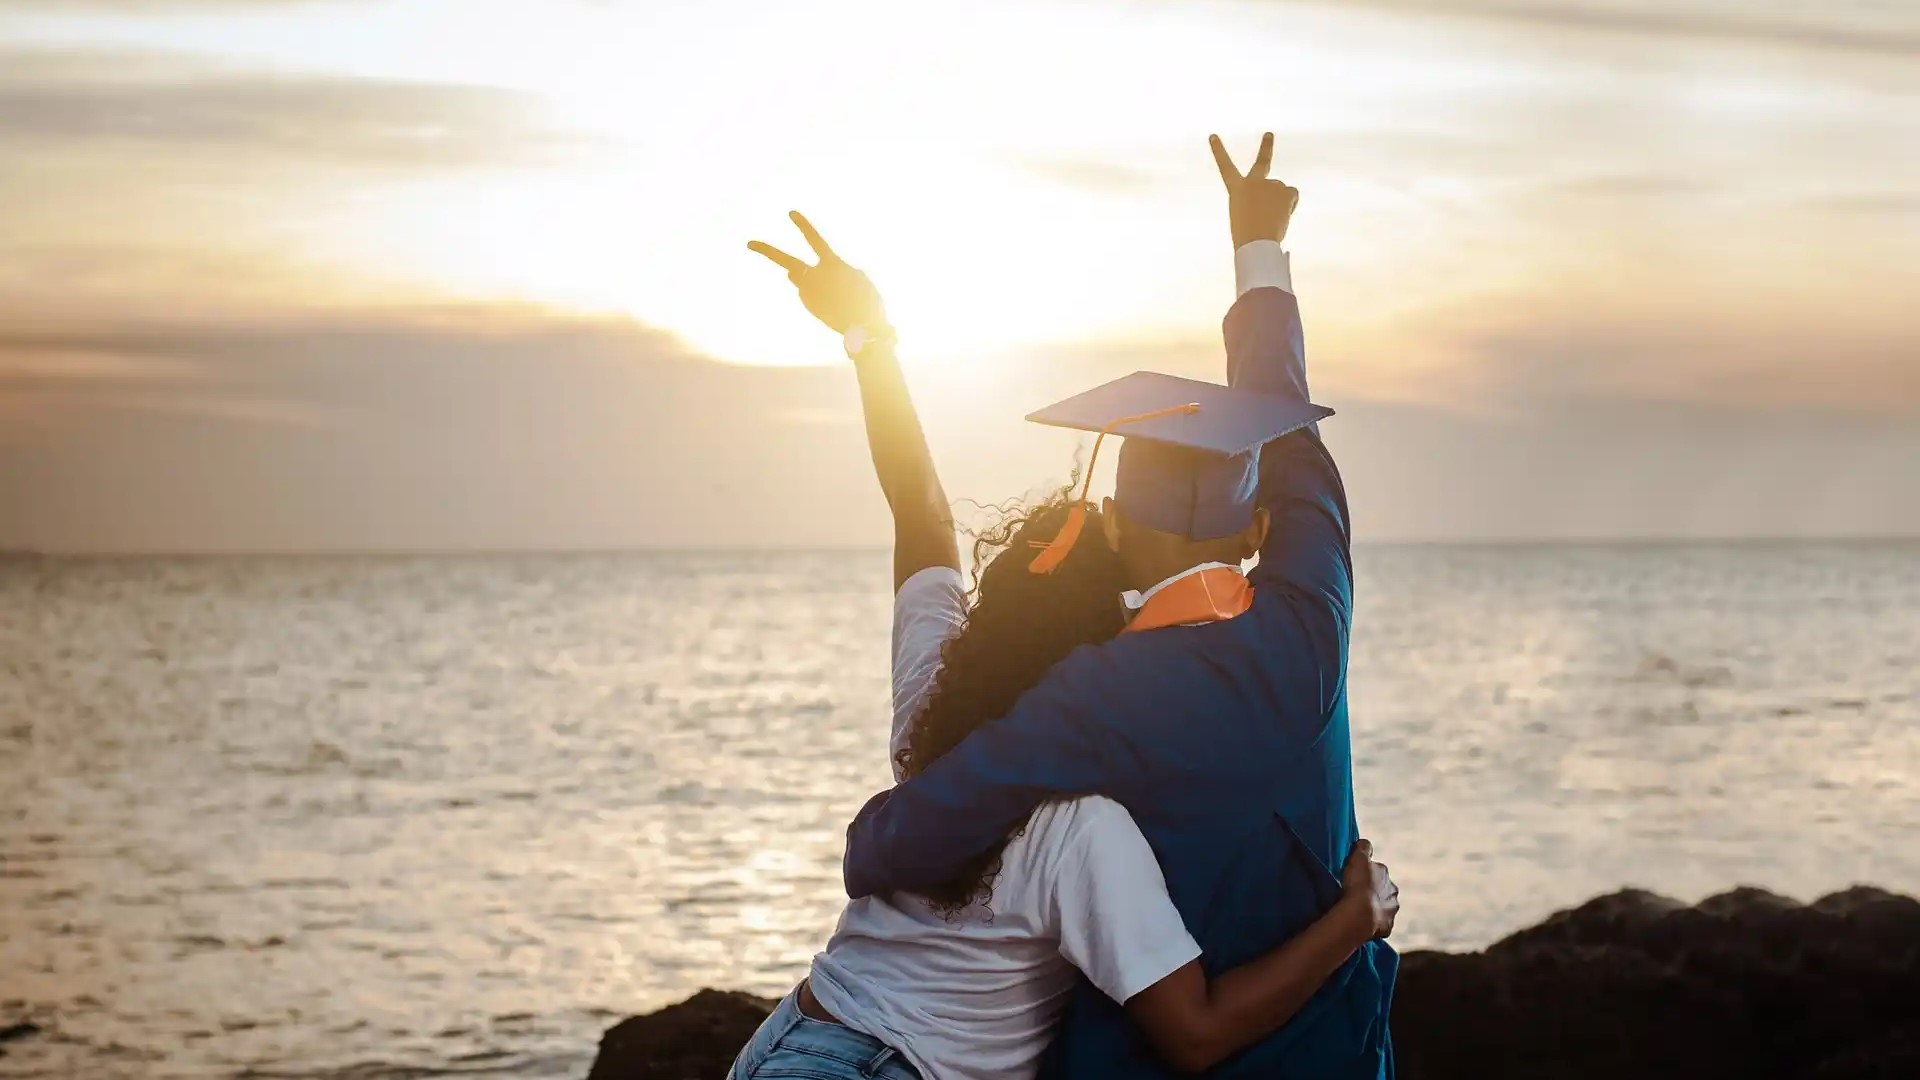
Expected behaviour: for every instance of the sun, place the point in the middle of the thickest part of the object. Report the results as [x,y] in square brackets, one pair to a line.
[1005,266]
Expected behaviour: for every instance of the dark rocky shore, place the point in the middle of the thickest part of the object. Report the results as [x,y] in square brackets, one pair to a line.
[1630,985]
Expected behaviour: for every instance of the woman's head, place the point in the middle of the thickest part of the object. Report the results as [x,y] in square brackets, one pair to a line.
[1018,626]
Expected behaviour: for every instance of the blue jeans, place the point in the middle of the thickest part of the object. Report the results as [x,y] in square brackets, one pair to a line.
[789,1044]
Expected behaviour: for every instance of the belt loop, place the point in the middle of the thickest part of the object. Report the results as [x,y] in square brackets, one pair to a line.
[878,1061]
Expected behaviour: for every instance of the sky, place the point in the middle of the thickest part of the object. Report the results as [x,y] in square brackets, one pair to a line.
[471,274]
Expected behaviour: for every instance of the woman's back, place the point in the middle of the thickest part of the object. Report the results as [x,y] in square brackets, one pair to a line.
[977,992]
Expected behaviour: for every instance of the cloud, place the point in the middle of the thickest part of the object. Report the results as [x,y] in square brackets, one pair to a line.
[488,426]
[1861,27]
[1628,186]
[1573,341]
[24,363]
[50,405]
[1577,341]
[143,179]
[61,100]
[1102,175]
[159,7]
[1873,204]
[1624,470]
[1738,354]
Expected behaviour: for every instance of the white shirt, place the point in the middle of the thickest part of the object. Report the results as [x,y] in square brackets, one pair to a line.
[978,996]
[1134,600]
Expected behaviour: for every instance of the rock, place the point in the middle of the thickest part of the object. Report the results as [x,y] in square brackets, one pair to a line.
[694,1040]
[1743,984]
[1632,984]
[1895,1057]
[18,1031]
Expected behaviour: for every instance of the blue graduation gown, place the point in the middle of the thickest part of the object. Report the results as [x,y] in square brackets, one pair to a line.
[1228,743]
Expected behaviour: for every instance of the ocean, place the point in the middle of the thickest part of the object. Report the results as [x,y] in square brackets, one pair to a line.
[395,817]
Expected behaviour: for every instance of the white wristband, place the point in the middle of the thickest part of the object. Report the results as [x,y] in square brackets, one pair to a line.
[859,338]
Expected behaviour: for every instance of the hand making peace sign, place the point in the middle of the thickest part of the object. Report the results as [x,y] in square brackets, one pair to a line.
[1258,208]
[834,292]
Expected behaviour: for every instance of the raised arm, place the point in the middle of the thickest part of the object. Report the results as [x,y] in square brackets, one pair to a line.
[1308,546]
[846,301]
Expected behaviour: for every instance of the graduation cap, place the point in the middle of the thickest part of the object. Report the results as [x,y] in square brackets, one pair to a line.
[1191,462]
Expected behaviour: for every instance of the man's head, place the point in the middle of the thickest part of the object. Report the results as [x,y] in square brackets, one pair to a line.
[1152,555]
[1175,507]
[1186,490]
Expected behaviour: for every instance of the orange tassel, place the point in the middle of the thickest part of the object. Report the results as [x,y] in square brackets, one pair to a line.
[1055,551]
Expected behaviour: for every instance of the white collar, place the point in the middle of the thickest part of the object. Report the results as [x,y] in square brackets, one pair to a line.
[1135,600]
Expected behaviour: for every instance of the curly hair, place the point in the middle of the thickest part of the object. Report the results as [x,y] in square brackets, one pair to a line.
[1019,624]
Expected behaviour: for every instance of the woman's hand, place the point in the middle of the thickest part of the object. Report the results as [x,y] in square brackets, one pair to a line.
[1366,888]
[834,292]
[1196,1022]
[1257,208]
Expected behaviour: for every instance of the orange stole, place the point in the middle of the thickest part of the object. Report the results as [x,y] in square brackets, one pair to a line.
[1212,595]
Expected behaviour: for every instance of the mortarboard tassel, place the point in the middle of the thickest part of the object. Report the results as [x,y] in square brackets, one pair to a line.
[1054,552]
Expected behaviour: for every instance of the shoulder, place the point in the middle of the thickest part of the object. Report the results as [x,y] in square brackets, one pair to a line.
[1309,626]
[1070,845]
[936,590]
[1120,669]
[1088,821]
[1115,661]
[930,607]
[1111,679]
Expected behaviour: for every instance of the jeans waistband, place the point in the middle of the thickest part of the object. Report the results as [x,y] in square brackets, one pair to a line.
[855,1052]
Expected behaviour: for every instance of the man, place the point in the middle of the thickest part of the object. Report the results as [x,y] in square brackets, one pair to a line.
[1220,719]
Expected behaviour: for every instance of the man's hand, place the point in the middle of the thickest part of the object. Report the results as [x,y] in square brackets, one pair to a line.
[834,292]
[1366,888]
[1258,208]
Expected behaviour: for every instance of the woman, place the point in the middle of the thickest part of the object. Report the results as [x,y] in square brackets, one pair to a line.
[969,980]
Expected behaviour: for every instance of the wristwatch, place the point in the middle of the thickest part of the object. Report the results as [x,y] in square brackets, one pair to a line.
[861,338]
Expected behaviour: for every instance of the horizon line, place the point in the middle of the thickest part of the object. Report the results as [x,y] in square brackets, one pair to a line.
[24,553]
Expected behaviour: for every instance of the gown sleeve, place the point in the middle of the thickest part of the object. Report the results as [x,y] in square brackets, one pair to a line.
[1308,548]
[1057,742]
